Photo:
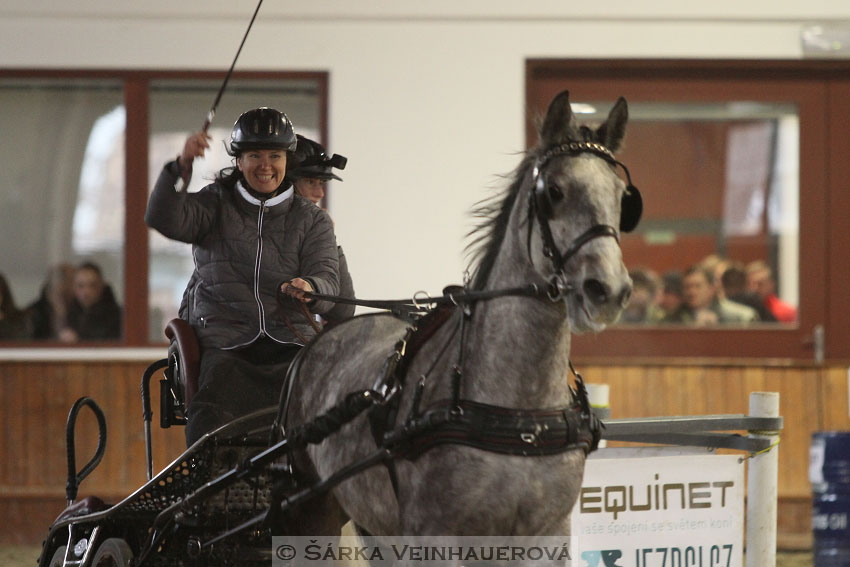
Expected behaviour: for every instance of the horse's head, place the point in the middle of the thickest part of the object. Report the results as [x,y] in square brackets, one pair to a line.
[577,207]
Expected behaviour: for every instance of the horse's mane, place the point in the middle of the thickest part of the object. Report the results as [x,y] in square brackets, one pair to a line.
[494,213]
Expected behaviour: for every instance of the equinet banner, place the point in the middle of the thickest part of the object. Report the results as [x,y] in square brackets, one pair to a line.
[660,511]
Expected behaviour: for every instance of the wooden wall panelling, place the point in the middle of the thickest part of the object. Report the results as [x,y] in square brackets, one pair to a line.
[648,391]
[801,411]
[834,393]
[35,399]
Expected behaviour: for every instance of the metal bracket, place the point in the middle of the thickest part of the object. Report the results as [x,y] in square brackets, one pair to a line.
[698,431]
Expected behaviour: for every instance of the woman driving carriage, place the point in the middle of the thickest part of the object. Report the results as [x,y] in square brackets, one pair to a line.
[252,241]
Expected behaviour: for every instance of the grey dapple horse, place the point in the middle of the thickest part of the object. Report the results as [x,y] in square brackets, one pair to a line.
[554,227]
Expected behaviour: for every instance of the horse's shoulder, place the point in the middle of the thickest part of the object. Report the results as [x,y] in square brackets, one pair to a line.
[370,322]
[369,328]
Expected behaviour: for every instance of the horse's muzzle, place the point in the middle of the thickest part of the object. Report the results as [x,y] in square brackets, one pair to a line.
[601,294]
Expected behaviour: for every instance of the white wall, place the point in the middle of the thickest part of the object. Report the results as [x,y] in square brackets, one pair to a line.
[426,98]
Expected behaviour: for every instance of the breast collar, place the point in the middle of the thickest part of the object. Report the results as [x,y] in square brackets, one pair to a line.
[276,200]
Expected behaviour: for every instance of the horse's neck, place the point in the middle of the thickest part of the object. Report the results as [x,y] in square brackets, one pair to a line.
[517,348]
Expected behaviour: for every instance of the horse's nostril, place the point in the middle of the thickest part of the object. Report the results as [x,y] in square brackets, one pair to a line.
[625,296]
[596,291]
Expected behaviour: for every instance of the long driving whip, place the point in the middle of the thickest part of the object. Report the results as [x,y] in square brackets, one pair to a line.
[187,175]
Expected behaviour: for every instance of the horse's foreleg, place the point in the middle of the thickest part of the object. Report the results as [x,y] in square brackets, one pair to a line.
[319,516]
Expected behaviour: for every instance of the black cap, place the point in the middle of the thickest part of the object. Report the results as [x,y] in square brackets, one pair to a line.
[262,128]
[312,162]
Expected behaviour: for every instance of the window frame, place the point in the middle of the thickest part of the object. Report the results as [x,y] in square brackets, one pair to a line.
[136,85]
[821,96]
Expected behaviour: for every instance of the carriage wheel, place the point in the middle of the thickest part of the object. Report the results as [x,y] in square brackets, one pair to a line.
[113,552]
[58,558]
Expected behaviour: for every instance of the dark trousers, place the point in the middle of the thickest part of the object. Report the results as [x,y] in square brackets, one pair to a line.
[234,383]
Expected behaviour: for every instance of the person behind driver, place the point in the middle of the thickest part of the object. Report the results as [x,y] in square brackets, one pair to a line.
[313,169]
[256,250]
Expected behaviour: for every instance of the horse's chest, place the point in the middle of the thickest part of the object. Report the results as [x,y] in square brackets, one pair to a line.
[516,493]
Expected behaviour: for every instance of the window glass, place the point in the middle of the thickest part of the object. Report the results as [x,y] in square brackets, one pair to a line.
[178,108]
[718,242]
[61,205]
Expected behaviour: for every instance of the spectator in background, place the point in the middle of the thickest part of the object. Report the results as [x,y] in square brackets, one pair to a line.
[93,315]
[642,303]
[760,281]
[48,315]
[703,307]
[14,325]
[734,284]
[717,265]
[671,297]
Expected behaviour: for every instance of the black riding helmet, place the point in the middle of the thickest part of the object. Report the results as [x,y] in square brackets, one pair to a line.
[312,162]
[262,129]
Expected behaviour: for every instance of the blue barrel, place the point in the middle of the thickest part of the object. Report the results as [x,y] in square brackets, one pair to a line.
[829,473]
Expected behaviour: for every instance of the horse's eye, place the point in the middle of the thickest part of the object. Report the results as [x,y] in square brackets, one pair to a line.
[555,193]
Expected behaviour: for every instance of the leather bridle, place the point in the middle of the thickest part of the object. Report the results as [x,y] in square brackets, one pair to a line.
[537,211]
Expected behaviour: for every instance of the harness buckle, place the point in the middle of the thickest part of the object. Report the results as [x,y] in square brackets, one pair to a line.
[421,300]
[386,392]
[529,438]
[558,287]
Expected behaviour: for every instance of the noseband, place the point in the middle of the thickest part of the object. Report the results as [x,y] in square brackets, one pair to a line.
[538,202]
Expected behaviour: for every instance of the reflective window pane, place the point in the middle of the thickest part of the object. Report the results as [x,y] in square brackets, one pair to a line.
[718,242]
[177,108]
[61,205]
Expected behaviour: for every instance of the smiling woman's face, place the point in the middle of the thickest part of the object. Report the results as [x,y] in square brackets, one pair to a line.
[264,170]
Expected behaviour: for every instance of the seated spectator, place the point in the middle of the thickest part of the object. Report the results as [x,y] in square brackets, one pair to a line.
[642,303]
[702,306]
[716,264]
[734,284]
[48,315]
[671,296]
[760,281]
[14,324]
[93,315]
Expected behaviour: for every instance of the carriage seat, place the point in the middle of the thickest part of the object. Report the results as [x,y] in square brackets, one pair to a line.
[88,505]
[184,359]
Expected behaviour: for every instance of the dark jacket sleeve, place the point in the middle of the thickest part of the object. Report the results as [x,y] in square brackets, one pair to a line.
[320,261]
[179,215]
[342,311]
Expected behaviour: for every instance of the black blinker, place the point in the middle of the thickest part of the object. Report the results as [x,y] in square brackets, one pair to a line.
[631,208]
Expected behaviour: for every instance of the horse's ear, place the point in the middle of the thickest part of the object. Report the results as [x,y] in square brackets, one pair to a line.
[558,122]
[612,132]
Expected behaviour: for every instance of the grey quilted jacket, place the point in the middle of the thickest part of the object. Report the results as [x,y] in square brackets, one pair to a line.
[342,311]
[243,250]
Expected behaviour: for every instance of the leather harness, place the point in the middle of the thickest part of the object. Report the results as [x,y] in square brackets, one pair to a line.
[509,431]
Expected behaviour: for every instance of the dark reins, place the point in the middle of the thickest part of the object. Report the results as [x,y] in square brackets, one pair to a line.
[425,303]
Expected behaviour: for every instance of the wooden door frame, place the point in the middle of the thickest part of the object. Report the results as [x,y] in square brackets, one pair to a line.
[821,96]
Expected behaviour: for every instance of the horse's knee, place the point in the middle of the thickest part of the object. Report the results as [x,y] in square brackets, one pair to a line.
[321,516]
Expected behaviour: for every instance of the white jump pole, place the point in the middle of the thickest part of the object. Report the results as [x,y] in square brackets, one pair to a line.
[762,474]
